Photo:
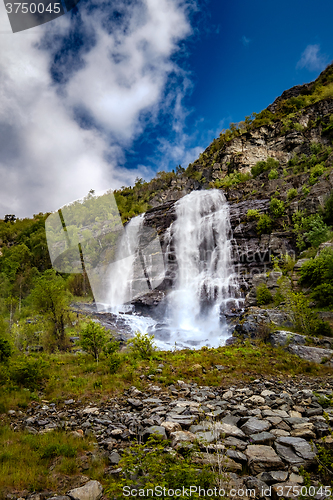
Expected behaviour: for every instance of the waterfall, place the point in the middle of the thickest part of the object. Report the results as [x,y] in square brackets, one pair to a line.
[121,271]
[199,242]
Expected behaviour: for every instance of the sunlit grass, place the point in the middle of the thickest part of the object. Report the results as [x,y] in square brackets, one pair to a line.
[79,377]
[25,459]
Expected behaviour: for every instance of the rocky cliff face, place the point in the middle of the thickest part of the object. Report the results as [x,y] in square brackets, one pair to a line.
[252,252]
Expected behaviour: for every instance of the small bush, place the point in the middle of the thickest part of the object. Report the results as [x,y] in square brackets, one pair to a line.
[276,207]
[291,194]
[316,147]
[264,225]
[5,349]
[264,296]
[114,361]
[328,211]
[273,174]
[253,214]
[263,166]
[323,294]
[318,270]
[316,172]
[93,338]
[305,190]
[318,231]
[29,372]
[322,328]
[142,345]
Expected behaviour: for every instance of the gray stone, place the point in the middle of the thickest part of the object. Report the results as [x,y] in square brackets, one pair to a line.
[230,419]
[283,338]
[257,486]
[230,430]
[237,443]
[59,497]
[261,458]
[262,438]
[179,437]
[92,490]
[254,426]
[155,430]
[207,437]
[215,460]
[114,458]
[238,456]
[275,476]
[312,354]
[136,403]
[301,446]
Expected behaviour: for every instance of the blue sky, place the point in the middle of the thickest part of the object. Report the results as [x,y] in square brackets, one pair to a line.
[117,90]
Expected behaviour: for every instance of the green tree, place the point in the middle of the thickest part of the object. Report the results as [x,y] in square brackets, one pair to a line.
[142,345]
[51,299]
[93,338]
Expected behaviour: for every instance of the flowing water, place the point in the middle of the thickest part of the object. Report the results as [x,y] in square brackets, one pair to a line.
[199,252]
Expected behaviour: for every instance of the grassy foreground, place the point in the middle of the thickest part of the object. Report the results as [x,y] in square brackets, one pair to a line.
[51,461]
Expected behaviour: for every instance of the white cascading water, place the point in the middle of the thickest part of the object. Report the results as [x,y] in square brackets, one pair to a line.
[205,286]
[122,269]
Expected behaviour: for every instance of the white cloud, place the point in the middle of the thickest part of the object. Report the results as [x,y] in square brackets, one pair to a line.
[312,60]
[46,157]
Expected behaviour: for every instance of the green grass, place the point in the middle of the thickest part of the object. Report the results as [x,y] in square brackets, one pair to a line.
[79,377]
[36,462]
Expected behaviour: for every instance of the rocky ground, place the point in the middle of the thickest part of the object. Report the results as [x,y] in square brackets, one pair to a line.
[261,433]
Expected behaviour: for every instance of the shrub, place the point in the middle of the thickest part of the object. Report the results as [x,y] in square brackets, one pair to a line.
[29,372]
[318,270]
[328,211]
[316,172]
[318,231]
[253,214]
[323,294]
[93,339]
[276,207]
[273,174]
[111,347]
[142,345]
[264,225]
[302,316]
[262,166]
[114,361]
[291,194]
[264,296]
[146,465]
[316,147]
[5,349]
[305,190]
[322,328]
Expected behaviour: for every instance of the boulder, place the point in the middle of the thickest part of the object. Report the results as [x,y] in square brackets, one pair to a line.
[92,490]
[154,430]
[254,426]
[262,458]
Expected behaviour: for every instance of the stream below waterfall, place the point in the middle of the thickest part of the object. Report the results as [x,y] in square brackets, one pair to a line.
[198,258]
